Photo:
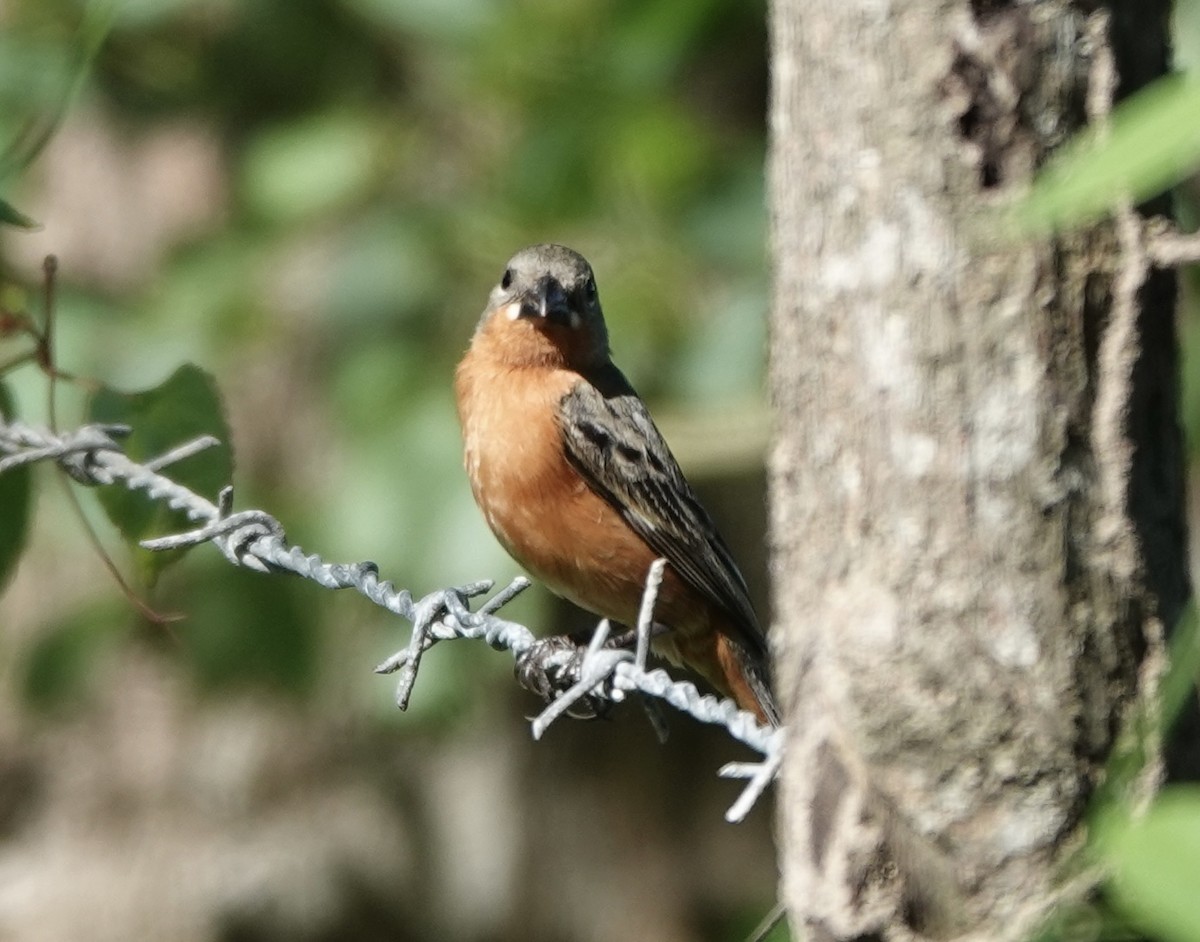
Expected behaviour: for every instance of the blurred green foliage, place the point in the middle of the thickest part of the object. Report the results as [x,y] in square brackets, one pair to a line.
[373,165]
[310,199]
[256,629]
[40,78]
[60,670]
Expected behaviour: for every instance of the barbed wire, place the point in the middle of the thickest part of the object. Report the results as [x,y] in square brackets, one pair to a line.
[577,679]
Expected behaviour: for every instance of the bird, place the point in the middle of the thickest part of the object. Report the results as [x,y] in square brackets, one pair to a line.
[579,486]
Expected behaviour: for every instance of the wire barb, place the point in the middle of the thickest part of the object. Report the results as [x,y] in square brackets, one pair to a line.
[759,775]
[577,679]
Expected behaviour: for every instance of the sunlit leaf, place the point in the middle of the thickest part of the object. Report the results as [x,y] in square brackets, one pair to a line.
[1153,143]
[16,498]
[1156,860]
[185,406]
[1185,35]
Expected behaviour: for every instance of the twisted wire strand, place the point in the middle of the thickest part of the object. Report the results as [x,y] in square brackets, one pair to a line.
[92,455]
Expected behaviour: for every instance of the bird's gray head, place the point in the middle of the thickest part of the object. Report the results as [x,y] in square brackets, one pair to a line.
[553,284]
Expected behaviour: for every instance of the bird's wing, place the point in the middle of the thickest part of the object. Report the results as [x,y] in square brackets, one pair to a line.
[613,443]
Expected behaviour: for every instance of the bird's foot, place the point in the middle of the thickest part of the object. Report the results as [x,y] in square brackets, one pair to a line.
[551,667]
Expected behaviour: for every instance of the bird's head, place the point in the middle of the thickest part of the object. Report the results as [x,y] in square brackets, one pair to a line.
[545,310]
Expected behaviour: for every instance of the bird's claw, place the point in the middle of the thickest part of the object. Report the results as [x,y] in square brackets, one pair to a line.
[551,667]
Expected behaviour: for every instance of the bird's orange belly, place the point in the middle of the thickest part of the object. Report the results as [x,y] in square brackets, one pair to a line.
[567,537]
[545,514]
[582,550]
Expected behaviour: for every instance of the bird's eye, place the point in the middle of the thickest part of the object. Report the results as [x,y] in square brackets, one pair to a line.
[589,289]
[506,280]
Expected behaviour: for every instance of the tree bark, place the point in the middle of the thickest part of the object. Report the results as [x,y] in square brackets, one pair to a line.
[977,483]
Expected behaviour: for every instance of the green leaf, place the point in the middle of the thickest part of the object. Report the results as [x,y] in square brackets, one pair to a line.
[39,130]
[1153,143]
[185,406]
[9,216]
[1155,862]
[16,500]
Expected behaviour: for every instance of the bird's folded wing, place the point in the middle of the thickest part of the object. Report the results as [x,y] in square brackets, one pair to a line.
[612,441]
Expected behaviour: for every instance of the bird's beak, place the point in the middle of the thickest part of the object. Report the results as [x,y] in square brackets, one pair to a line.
[548,301]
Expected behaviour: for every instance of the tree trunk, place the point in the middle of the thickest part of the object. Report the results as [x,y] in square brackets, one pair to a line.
[977,483]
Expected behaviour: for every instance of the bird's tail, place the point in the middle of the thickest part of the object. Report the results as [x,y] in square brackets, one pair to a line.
[746,679]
